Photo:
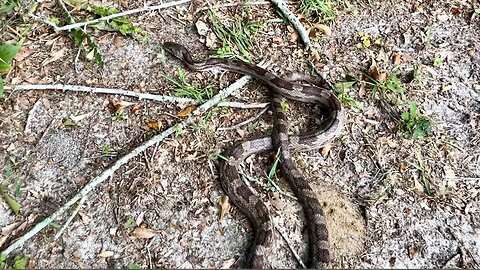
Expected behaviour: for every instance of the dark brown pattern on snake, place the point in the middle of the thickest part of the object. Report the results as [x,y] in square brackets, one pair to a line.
[231,181]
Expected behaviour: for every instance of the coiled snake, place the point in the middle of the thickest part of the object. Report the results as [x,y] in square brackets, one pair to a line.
[238,192]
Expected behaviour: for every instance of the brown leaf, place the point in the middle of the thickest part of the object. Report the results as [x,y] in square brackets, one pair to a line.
[224,206]
[120,105]
[154,125]
[106,254]
[24,53]
[140,232]
[187,111]
[456,11]
[54,56]
[397,60]
[118,41]
[241,132]
[326,149]
[9,228]
[374,73]
[313,31]
[402,167]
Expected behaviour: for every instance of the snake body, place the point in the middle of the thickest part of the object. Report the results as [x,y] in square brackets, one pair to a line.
[230,179]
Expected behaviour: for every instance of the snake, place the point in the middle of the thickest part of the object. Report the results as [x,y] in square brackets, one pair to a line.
[292,86]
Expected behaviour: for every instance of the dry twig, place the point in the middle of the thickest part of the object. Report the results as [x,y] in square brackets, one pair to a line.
[123,160]
[115,91]
[109,17]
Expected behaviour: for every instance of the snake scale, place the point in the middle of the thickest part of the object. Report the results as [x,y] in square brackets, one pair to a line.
[230,179]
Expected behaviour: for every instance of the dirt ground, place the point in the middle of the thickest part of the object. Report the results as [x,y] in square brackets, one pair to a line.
[372,180]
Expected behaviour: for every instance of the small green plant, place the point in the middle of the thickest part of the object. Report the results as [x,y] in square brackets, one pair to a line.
[129,223]
[119,116]
[341,87]
[134,266]
[185,89]
[414,123]
[106,150]
[284,106]
[321,9]
[55,225]
[3,261]
[7,53]
[7,5]
[366,40]
[19,262]
[82,38]
[178,129]
[437,62]
[235,38]
[391,84]
[11,176]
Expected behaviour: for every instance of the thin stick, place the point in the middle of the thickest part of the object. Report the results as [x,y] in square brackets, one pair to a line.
[123,160]
[244,122]
[109,17]
[234,5]
[114,91]
[294,21]
[99,90]
[69,220]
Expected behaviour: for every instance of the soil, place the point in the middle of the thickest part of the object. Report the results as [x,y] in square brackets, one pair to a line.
[391,201]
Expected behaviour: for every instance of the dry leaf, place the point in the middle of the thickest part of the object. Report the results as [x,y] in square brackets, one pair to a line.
[224,206]
[418,187]
[120,105]
[79,118]
[326,149]
[319,27]
[105,254]
[227,264]
[397,60]
[24,53]
[187,111]
[113,231]
[376,75]
[202,28]
[140,232]
[85,219]
[154,125]
[241,132]
[293,36]
[210,40]
[407,58]
[9,228]
[54,56]
[118,41]
[402,167]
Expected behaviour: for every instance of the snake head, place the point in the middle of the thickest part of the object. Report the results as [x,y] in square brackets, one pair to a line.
[178,51]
